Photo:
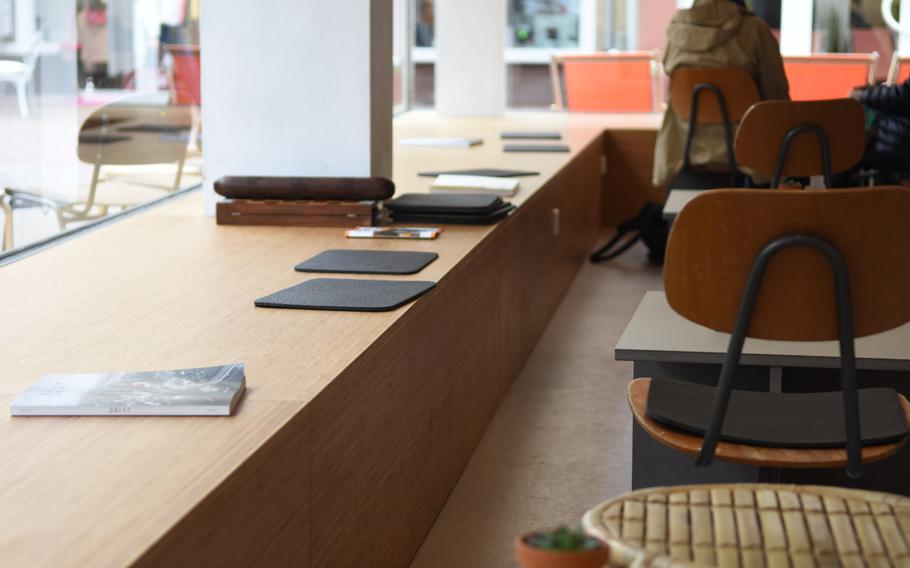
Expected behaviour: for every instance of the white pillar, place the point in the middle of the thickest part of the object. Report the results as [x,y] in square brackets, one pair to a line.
[296,88]
[632,9]
[904,38]
[592,20]
[796,27]
[470,64]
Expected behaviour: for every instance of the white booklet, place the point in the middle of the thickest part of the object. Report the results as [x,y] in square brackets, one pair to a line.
[206,391]
[442,142]
[448,183]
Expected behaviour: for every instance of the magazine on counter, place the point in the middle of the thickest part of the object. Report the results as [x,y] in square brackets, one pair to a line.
[206,391]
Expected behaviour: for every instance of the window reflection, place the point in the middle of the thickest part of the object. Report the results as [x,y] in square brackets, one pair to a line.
[543,23]
[108,116]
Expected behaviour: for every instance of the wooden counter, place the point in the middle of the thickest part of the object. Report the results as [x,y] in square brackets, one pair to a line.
[355,427]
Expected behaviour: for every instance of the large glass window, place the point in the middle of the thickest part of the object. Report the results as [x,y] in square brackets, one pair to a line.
[854,26]
[543,23]
[424,54]
[401,56]
[99,110]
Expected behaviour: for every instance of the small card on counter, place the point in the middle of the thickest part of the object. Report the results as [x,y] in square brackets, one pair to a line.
[393,233]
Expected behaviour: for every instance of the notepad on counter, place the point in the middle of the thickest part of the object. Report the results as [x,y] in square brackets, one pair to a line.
[205,391]
[504,187]
[442,142]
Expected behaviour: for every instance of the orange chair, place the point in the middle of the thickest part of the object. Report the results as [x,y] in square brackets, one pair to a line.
[900,69]
[828,75]
[184,78]
[606,82]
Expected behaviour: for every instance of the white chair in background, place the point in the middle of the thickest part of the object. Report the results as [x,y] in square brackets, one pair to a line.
[20,73]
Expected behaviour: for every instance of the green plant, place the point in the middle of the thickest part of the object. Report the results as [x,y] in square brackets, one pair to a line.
[563,539]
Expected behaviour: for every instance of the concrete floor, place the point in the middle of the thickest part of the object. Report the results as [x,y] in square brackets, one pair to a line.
[561,441]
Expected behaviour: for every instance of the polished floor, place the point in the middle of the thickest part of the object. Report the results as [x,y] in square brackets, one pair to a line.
[561,440]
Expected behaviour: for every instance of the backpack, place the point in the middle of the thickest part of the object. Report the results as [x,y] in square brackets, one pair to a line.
[648,226]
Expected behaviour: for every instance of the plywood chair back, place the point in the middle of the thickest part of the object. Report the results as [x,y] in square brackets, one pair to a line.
[764,130]
[605,82]
[899,70]
[735,85]
[717,236]
[828,75]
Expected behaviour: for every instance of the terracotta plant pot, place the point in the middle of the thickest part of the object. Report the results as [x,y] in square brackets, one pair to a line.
[531,557]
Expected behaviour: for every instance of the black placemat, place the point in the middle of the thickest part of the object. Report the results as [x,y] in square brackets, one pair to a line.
[488,172]
[367,262]
[535,148]
[348,295]
[781,420]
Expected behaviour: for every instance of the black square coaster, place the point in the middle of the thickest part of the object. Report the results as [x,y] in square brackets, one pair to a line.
[367,262]
[535,148]
[346,295]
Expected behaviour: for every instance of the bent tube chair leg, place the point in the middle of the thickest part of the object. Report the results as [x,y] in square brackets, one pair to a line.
[741,327]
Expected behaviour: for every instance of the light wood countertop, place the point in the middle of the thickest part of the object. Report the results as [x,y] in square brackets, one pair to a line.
[168,289]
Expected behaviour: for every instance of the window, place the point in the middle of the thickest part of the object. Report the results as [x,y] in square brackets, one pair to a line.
[854,26]
[103,113]
[401,56]
[543,23]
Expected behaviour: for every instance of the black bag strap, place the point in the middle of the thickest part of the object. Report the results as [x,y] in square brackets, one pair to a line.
[604,253]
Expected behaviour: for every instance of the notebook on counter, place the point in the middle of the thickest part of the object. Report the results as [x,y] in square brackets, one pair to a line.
[205,391]
[504,187]
[442,142]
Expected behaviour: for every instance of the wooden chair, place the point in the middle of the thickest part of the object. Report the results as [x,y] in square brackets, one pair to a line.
[807,138]
[711,96]
[899,70]
[828,75]
[606,82]
[760,264]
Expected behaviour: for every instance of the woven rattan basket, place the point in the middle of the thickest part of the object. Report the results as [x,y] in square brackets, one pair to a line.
[754,525]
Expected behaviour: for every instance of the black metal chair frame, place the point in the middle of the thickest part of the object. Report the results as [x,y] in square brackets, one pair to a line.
[785,149]
[741,328]
[728,128]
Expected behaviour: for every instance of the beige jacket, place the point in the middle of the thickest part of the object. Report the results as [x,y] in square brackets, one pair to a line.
[715,33]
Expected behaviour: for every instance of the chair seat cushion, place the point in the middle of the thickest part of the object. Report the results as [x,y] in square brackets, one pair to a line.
[780,420]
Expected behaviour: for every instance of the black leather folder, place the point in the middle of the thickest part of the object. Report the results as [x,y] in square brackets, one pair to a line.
[464,209]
